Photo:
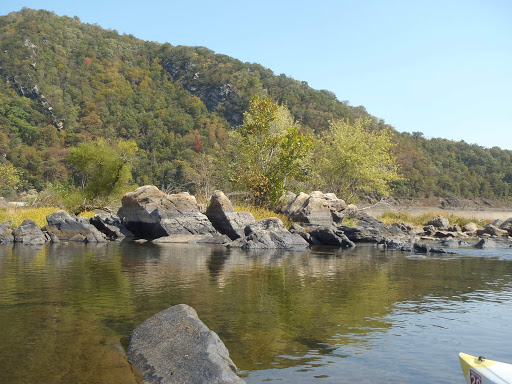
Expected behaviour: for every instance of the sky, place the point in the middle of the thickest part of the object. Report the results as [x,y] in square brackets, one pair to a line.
[443,68]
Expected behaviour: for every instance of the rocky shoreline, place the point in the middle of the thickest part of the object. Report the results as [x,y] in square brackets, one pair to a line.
[148,214]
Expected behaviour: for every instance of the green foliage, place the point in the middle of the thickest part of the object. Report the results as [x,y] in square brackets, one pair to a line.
[102,169]
[353,159]
[9,176]
[270,150]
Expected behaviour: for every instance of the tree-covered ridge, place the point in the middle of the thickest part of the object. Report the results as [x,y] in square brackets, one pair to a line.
[64,83]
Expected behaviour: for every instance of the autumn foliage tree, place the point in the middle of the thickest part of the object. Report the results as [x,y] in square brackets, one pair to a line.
[270,150]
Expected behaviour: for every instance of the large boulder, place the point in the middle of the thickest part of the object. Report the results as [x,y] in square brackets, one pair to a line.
[485,244]
[6,236]
[110,225]
[174,346]
[269,234]
[29,233]
[507,226]
[439,222]
[222,215]
[318,208]
[64,227]
[491,230]
[149,214]
[323,235]
[470,228]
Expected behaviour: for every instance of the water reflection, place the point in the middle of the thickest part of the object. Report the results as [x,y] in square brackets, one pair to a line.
[325,314]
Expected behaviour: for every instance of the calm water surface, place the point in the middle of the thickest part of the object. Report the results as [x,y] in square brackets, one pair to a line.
[326,316]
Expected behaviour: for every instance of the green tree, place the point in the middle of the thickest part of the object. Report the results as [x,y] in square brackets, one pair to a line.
[354,158]
[9,178]
[270,149]
[103,169]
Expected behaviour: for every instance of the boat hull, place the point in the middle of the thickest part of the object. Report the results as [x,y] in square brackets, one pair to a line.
[484,371]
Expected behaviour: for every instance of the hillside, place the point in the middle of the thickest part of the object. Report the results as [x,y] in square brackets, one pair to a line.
[65,82]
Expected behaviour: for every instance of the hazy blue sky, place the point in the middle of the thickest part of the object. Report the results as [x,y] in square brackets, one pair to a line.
[443,68]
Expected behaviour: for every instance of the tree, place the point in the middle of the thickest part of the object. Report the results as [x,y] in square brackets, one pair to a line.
[9,178]
[270,150]
[354,159]
[103,168]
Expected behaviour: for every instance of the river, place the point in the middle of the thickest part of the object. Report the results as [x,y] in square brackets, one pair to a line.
[327,315]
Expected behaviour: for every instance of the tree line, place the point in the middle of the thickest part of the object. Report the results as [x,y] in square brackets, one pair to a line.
[186,113]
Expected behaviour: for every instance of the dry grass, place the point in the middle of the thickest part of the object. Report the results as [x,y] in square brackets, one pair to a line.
[423,218]
[16,215]
[264,213]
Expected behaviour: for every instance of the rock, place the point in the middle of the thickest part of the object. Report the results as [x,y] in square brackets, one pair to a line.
[451,243]
[150,213]
[429,230]
[68,228]
[393,244]
[485,244]
[492,230]
[454,228]
[421,248]
[470,227]
[222,215]
[444,234]
[29,233]
[318,208]
[269,234]
[289,197]
[174,346]
[437,250]
[206,239]
[110,225]
[439,222]
[404,227]
[361,234]
[322,235]
[507,226]
[6,235]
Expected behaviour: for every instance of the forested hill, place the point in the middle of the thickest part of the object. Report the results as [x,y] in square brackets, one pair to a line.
[64,82]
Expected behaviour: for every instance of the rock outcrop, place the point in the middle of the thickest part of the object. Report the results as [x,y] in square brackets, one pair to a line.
[6,235]
[222,215]
[269,234]
[64,227]
[318,208]
[150,213]
[174,346]
[110,225]
[485,244]
[29,233]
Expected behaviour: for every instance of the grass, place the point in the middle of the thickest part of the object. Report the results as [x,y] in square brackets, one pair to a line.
[424,218]
[264,213]
[16,215]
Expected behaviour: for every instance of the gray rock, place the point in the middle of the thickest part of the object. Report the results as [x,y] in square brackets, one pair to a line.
[437,250]
[222,215]
[470,227]
[404,227]
[485,244]
[174,346]
[318,208]
[429,230]
[150,213]
[361,234]
[454,228]
[110,225]
[68,228]
[269,234]
[507,226]
[439,222]
[6,235]
[323,235]
[29,233]
[421,248]
[393,244]
[492,230]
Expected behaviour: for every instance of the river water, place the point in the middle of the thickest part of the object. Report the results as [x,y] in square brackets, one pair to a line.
[326,315]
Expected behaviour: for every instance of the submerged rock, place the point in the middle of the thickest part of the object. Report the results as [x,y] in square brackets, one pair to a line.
[485,244]
[174,346]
